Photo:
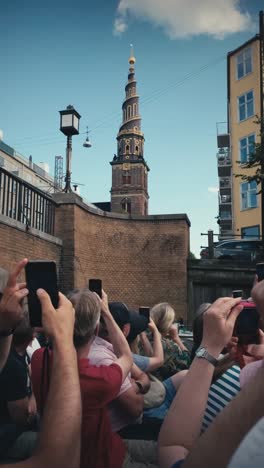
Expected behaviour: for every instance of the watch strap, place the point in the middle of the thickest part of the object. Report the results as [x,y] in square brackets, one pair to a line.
[5,333]
[202,353]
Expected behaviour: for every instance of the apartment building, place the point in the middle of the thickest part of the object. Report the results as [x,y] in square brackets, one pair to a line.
[18,165]
[239,201]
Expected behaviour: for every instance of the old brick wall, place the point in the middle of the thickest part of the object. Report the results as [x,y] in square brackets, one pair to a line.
[141,261]
[16,243]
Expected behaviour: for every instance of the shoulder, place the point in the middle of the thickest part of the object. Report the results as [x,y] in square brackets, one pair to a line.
[104,380]
[101,353]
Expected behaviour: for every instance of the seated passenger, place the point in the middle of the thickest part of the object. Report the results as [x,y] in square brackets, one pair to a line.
[176,355]
[17,402]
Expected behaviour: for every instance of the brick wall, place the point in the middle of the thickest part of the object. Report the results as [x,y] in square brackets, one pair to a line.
[16,243]
[141,260]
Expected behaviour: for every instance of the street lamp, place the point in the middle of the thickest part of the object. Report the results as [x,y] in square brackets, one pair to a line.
[69,125]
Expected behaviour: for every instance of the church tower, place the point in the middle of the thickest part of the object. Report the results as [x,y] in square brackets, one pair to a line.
[129,192]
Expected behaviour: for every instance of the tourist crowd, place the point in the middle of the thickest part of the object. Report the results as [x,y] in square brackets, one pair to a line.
[102,386]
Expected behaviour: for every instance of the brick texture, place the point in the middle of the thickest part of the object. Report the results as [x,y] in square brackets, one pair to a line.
[16,244]
[139,262]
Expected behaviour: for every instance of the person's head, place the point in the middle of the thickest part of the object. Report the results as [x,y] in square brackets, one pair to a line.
[23,335]
[163,315]
[130,322]
[87,315]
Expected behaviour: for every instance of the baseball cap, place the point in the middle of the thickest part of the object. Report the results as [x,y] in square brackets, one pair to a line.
[122,315]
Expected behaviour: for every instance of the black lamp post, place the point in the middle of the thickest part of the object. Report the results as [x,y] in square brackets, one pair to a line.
[69,125]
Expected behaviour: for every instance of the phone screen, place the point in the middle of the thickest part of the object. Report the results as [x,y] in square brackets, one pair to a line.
[247,326]
[40,274]
[95,285]
[144,311]
[237,293]
[260,271]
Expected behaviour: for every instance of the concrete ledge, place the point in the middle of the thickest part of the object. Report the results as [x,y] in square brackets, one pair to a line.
[31,231]
[73,199]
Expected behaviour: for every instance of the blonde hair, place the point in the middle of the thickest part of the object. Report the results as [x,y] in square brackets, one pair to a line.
[87,315]
[163,315]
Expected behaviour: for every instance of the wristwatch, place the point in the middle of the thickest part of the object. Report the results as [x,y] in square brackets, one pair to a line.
[203,354]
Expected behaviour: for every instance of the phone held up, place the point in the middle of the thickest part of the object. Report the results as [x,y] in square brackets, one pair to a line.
[95,285]
[145,311]
[40,274]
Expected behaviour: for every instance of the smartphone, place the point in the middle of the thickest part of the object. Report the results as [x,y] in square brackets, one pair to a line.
[260,271]
[144,311]
[237,293]
[40,274]
[247,324]
[95,285]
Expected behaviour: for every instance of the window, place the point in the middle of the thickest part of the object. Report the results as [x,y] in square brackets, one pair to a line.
[246,106]
[129,110]
[248,195]
[135,109]
[126,206]
[250,231]
[244,63]
[126,178]
[127,149]
[246,147]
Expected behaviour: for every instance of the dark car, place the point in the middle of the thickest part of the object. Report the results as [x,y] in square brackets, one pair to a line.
[205,251]
[243,249]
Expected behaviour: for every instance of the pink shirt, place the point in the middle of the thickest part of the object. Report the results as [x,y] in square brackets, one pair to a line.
[101,353]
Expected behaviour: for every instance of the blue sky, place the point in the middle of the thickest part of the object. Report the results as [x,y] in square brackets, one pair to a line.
[56,53]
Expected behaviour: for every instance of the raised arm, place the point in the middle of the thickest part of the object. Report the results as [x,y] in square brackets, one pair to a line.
[157,358]
[58,447]
[117,339]
[11,311]
[183,423]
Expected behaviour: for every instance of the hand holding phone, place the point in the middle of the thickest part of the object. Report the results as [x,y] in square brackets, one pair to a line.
[247,324]
[145,311]
[40,274]
[95,285]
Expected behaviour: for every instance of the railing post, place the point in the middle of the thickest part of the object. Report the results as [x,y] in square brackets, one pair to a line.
[210,243]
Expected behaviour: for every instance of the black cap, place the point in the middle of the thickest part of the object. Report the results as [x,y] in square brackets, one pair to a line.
[122,315]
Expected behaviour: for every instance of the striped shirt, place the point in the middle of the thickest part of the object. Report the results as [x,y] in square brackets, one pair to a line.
[221,392]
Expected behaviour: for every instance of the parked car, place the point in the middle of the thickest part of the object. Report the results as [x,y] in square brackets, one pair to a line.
[243,249]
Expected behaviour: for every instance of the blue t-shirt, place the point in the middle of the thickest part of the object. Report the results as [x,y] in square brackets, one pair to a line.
[141,361]
[178,464]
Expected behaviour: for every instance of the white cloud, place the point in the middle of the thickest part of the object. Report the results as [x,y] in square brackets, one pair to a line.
[213,189]
[185,18]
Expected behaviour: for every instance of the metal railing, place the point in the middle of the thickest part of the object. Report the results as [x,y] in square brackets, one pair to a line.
[23,202]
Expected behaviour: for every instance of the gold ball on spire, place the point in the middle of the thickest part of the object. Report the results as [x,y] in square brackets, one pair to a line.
[132,59]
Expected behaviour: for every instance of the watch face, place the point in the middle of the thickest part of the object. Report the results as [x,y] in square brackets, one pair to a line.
[200,352]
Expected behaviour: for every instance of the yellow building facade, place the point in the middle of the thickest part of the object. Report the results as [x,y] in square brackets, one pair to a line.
[244,98]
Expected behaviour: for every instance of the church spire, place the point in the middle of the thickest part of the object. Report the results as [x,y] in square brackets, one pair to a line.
[132,178]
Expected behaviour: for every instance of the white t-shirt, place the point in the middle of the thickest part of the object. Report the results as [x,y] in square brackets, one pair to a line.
[250,453]
[101,353]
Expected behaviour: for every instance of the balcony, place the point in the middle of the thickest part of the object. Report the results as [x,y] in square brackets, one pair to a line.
[225,199]
[224,162]
[225,183]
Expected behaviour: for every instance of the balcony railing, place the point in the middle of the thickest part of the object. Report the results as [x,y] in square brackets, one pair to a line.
[225,182]
[223,157]
[225,199]
[25,203]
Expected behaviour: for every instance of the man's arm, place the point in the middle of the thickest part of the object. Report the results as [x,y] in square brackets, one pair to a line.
[11,311]
[117,339]
[131,402]
[139,376]
[183,423]
[59,446]
[157,358]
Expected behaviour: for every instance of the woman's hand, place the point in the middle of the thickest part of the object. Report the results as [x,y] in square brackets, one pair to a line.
[218,325]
